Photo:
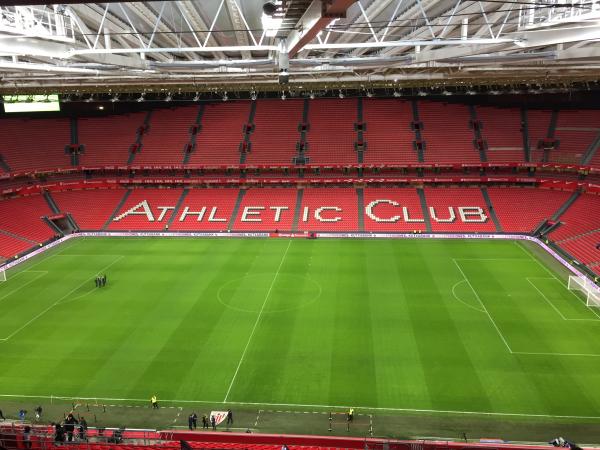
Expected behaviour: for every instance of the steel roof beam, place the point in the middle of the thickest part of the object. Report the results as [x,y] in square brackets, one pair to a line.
[316,18]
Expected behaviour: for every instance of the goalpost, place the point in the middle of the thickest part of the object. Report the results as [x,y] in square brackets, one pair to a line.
[587,287]
[2,275]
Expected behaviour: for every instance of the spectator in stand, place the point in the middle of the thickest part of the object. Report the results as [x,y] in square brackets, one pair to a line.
[59,432]
[83,426]
[27,436]
[70,423]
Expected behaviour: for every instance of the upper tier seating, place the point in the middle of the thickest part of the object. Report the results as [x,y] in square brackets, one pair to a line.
[445,210]
[35,144]
[107,139]
[388,134]
[583,216]
[331,137]
[575,130]
[89,208]
[275,131]
[265,218]
[446,132]
[214,205]
[538,124]
[22,216]
[501,128]
[221,133]
[147,211]
[383,212]
[522,209]
[329,209]
[168,134]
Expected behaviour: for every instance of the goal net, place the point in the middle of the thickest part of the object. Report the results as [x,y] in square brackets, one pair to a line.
[2,275]
[590,291]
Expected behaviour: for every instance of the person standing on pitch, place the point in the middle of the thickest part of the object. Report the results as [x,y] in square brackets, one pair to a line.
[2,415]
[38,412]
[213,422]
[154,402]
[195,420]
[229,418]
[83,426]
[351,415]
[204,422]
[191,422]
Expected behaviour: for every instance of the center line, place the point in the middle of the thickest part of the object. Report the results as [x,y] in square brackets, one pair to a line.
[257,320]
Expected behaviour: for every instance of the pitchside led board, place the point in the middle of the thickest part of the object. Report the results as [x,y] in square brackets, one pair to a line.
[30,103]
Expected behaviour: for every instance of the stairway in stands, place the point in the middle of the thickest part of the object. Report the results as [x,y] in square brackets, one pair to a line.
[194,130]
[478,140]
[417,125]
[137,146]
[3,165]
[246,144]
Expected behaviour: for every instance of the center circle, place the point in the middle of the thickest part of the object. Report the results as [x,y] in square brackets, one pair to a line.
[285,292]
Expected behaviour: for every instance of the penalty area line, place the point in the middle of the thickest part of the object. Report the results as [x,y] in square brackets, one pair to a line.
[300,405]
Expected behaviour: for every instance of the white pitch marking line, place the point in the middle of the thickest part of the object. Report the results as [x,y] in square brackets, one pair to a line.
[340,407]
[57,302]
[528,253]
[556,354]
[483,306]
[551,303]
[9,293]
[257,321]
[463,302]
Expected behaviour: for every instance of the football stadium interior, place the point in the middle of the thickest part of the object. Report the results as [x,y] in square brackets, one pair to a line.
[300,224]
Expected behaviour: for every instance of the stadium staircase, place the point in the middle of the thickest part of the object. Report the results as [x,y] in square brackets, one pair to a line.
[236,208]
[424,209]
[12,244]
[194,130]
[51,203]
[137,146]
[74,149]
[591,151]
[557,215]
[117,209]
[175,213]
[301,157]
[3,165]
[297,209]
[361,144]
[418,144]
[525,135]
[246,144]
[478,140]
[491,210]
[360,195]
[500,132]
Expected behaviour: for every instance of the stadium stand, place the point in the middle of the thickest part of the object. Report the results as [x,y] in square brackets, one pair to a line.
[581,217]
[169,132]
[265,218]
[329,209]
[89,208]
[107,140]
[501,129]
[378,218]
[538,124]
[11,246]
[22,217]
[522,209]
[444,208]
[575,130]
[584,247]
[446,133]
[388,134]
[215,205]
[145,212]
[275,131]
[34,144]
[221,133]
[331,136]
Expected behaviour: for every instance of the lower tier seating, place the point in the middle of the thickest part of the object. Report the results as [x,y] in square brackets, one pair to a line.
[267,209]
[393,209]
[206,209]
[522,209]
[146,209]
[329,209]
[23,217]
[77,203]
[11,246]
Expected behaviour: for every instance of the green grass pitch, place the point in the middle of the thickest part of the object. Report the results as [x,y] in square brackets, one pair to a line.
[442,327]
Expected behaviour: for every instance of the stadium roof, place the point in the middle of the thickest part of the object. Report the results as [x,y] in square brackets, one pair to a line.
[203,45]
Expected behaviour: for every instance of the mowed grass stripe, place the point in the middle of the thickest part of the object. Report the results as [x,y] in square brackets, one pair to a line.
[385,330]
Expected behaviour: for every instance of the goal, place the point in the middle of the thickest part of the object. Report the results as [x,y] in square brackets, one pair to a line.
[587,287]
[2,275]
